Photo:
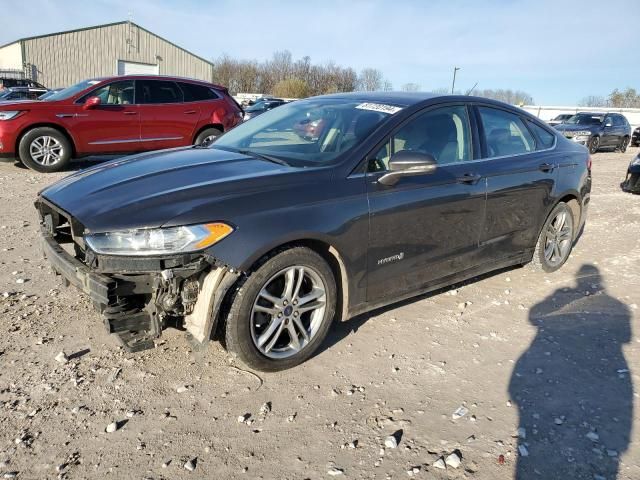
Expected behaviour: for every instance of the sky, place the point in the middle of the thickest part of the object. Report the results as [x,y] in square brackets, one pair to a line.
[559,52]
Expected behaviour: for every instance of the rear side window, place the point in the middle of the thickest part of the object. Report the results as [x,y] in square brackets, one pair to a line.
[545,138]
[505,133]
[158,91]
[197,93]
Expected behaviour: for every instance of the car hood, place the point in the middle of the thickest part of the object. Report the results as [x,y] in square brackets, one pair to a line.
[7,104]
[567,127]
[179,186]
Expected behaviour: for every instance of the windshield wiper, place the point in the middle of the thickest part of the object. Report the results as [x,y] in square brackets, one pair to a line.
[268,158]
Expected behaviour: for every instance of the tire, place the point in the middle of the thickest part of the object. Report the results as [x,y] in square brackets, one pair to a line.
[594,145]
[541,259]
[624,143]
[45,149]
[248,325]
[208,135]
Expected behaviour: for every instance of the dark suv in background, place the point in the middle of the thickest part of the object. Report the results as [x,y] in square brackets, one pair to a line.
[598,130]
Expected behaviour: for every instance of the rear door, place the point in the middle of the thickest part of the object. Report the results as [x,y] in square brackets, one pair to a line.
[426,227]
[112,126]
[520,182]
[166,120]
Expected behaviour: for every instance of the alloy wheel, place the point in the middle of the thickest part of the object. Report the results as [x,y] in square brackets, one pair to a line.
[594,145]
[288,312]
[208,140]
[46,150]
[558,238]
[624,144]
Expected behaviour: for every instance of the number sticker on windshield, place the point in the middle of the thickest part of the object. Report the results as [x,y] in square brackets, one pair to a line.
[379,107]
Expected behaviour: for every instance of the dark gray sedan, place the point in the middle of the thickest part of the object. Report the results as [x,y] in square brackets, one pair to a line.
[267,236]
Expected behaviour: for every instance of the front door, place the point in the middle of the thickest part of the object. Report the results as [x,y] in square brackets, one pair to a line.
[167,121]
[426,227]
[112,126]
[520,181]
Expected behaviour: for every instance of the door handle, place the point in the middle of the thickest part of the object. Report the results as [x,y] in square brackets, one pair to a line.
[546,167]
[130,113]
[190,112]
[469,178]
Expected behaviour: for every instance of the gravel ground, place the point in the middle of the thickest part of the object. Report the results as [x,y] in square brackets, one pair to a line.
[543,366]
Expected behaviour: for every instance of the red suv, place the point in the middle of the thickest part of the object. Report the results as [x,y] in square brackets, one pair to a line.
[115,115]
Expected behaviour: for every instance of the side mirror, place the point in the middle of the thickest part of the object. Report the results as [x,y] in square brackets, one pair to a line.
[406,163]
[91,102]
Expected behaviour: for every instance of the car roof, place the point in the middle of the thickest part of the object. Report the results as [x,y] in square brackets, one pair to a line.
[157,77]
[407,99]
[396,98]
[26,89]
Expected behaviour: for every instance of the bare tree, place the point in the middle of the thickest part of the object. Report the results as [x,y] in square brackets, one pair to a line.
[628,98]
[370,80]
[593,101]
[387,86]
[410,87]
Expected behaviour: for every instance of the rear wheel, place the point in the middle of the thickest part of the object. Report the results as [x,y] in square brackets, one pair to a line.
[282,312]
[207,136]
[556,239]
[594,144]
[45,149]
[624,143]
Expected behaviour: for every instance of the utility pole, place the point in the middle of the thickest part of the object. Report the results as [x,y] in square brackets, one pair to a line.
[453,84]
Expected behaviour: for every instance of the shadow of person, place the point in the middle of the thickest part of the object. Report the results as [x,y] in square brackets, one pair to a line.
[573,387]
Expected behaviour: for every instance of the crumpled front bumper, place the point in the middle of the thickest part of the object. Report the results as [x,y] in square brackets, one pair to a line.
[631,182]
[100,288]
[137,296]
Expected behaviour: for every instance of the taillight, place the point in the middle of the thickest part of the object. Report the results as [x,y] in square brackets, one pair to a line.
[589,162]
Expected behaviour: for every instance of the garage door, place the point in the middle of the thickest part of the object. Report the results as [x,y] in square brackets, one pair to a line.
[133,68]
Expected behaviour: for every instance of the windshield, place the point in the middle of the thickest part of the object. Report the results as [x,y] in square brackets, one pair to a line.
[315,130]
[4,94]
[257,107]
[71,91]
[585,119]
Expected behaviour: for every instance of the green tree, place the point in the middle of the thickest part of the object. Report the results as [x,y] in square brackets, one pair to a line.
[291,88]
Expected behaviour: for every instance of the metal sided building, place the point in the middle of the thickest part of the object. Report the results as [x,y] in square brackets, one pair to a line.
[64,58]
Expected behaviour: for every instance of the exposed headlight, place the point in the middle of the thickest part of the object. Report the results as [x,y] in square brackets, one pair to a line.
[159,241]
[8,114]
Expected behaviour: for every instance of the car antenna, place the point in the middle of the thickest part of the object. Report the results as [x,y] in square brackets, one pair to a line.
[471,89]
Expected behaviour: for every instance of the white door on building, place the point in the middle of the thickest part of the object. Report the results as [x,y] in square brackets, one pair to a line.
[134,68]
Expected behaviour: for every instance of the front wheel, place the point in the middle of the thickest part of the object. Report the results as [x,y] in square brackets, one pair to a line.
[594,145]
[45,149]
[556,239]
[282,312]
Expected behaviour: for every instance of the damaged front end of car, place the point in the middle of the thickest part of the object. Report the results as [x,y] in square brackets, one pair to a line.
[631,182]
[139,294]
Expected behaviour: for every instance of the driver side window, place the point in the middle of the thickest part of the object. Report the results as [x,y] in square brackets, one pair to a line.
[443,133]
[116,93]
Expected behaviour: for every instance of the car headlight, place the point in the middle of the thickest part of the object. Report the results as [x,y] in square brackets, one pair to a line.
[158,241]
[9,114]
[635,161]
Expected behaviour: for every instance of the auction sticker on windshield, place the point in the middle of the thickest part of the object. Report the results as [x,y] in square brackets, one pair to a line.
[379,107]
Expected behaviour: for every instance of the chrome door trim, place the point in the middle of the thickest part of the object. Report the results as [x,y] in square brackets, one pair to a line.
[133,140]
